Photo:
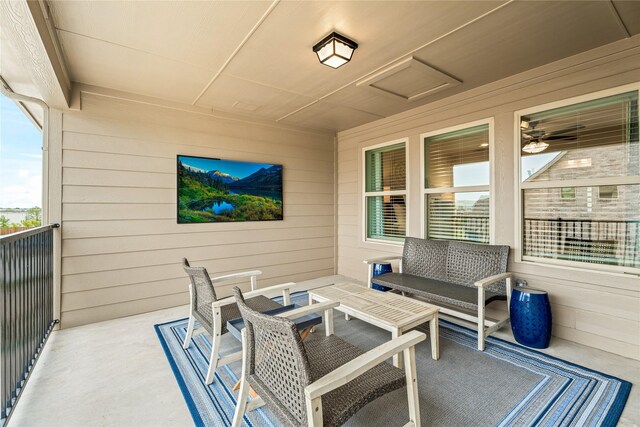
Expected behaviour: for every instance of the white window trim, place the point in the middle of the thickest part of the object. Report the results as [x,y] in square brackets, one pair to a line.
[366,194]
[519,257]
[608,198]
[465,189]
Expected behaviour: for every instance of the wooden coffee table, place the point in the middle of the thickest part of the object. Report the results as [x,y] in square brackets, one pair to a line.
[391,312]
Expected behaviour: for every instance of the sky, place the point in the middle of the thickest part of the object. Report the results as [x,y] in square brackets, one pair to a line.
[233,168]
[533,163]
[20,158]
[467,174]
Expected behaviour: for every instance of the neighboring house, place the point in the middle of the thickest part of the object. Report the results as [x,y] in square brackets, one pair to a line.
[584,222]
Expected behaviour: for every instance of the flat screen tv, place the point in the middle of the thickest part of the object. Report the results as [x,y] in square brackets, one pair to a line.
[215,190]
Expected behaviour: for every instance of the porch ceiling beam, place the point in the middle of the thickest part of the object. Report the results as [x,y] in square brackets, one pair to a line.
[237,49]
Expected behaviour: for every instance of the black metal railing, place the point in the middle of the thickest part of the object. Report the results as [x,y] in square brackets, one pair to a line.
[584,240]
[26,304]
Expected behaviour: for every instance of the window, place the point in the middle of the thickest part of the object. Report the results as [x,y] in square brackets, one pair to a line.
[568,193]
[385,197]
[608,192]
[588,153]
[456,184]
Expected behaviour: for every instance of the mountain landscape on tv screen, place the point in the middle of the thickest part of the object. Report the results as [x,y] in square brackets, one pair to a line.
[212,190]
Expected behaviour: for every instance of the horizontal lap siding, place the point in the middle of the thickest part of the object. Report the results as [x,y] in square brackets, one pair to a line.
[122,247]
[598,310]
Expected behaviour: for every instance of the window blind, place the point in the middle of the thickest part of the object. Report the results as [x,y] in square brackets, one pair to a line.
[596,221]
[457,159]
[385,168]
[458,216]
[386,217]
[587,228]
[385,192]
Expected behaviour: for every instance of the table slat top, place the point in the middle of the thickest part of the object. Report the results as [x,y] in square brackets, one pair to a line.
[393,309]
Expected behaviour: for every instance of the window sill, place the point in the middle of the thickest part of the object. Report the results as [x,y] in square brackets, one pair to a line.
[381,244]
[578,274]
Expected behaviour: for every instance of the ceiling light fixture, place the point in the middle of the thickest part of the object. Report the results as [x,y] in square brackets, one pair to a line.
[535,147]
[335,50]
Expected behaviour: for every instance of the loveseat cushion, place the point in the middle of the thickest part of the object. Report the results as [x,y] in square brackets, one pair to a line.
[437,290]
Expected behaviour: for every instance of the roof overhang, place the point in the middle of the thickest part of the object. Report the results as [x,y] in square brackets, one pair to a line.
[31,61]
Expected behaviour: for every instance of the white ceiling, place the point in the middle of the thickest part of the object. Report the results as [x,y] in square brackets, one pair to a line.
[255,58]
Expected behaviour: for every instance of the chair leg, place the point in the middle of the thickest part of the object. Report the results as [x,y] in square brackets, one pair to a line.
[215,345]
[481,318]
[412,385]
[187,338]
[213,359]
[241,406]
[192,320]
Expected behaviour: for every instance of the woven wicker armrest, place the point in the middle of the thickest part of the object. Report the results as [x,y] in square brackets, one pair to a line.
[285,287]
[382,259]
[362,364]
[308,309]
[492,279]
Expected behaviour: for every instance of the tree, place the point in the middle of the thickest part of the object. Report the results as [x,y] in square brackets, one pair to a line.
[34,214]
[34,217]
[4,222]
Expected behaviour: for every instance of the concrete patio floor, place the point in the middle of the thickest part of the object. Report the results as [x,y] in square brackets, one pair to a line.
[115,373]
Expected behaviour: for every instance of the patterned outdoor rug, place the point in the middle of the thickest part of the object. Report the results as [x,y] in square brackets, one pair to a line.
[506,385]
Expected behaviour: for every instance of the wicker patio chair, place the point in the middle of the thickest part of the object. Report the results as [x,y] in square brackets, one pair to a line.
[322,381]
[213,313]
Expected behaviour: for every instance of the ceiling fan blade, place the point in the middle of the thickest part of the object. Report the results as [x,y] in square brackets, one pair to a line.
[533,133]
[565,130]
[559,138]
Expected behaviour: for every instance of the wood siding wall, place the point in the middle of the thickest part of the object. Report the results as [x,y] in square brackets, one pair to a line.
[596,309]
[121,245]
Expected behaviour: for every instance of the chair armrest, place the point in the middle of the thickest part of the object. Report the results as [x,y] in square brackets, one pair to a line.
[240,275]
[382,259]
[274,288]
[308,309]
[230,300]
[361,364]
[222,302]
[492,279]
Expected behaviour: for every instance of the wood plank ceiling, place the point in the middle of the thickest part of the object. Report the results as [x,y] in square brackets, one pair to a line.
[255,58]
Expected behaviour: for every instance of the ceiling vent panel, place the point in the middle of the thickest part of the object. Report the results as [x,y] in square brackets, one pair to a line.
[409,80]
[245,106]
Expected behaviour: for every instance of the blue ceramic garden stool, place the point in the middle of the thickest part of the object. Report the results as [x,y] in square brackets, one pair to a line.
[379,269]
[531,317]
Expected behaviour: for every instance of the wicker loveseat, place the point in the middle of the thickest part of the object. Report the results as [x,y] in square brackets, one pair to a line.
[460,278]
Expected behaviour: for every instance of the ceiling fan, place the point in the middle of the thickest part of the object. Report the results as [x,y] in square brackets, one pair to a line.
[537,137]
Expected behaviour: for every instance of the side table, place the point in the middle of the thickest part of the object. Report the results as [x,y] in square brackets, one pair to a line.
[378,269]
[530,317]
